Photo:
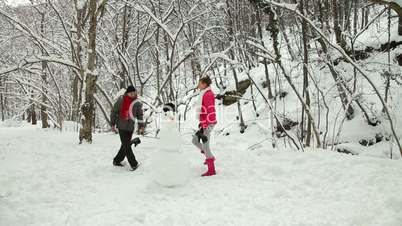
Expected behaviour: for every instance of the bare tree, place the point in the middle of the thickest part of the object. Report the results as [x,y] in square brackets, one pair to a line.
[95,11]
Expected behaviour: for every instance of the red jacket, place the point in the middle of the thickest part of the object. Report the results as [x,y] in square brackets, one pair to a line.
[207,113]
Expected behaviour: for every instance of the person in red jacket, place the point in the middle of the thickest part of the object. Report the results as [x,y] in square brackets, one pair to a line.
[207,120]
[126,109]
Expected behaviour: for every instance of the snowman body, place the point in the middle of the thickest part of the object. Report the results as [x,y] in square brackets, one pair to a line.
[170,166]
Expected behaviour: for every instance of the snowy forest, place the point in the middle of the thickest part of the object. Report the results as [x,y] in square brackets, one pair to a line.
[337,61]
[311,82]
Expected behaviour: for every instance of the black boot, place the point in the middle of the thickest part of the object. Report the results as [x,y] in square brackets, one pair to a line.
[136,141]
[117,164]
[135,167]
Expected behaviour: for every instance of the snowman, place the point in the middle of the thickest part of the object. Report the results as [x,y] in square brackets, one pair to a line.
[170,166]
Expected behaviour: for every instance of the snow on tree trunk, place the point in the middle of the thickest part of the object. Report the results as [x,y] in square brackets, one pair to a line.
[77,84]
[88,107]
[43,108]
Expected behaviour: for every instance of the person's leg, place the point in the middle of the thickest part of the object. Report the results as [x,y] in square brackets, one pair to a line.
[121,154]
[205,146]
[197,143]
[210,159]
[128,150]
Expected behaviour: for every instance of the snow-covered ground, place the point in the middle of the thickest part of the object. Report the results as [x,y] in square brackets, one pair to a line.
[46,179]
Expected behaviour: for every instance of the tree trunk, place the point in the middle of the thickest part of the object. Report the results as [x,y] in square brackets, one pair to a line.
[34,119]
[400,24]
[124,44]
[273,28]
[75,93]
[389,73]
[158,63]
[43,109]
[77,85]
[286,39]
[340,84]
[261,36]
[337,26]
[88,108]
[232,37]
[5,101]
[306,94]
[167,91]
[1,101]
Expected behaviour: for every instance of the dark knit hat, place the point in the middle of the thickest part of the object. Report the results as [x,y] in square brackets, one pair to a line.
[130,89]
[169,107]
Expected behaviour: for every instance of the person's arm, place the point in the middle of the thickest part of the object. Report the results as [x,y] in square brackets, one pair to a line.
[115,112]
[211,111]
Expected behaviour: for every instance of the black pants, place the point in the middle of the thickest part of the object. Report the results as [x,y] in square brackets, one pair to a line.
[125,149]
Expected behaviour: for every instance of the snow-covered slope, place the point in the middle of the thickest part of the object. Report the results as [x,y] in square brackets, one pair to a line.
[45,179]
[340,132]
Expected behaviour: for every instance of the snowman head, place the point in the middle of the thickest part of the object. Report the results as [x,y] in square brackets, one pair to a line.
[169,112]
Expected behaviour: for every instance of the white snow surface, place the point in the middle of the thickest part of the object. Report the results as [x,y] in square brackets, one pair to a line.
[47,179]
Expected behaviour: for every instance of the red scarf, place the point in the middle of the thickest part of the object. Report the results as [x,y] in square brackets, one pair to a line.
[125,107]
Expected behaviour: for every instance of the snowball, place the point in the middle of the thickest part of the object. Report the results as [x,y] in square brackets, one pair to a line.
[170,141]
[170,169]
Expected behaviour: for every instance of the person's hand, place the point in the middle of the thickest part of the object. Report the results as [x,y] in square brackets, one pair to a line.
[114,129]
[141,131]
[201,136]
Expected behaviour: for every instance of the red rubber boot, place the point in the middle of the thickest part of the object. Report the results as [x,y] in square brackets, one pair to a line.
[205,162]
[211,168]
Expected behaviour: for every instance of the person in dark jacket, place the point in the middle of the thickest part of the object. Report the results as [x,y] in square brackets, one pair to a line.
[126,109]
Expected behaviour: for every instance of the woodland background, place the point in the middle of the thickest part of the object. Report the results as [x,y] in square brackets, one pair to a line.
[338,62]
